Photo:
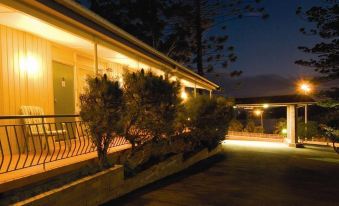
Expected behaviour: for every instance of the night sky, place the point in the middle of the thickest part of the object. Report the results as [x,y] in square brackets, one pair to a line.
[270,46]
[267,50]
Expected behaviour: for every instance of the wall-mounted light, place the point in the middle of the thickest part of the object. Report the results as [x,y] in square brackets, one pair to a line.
[121,82]
[29,64]
[183,95]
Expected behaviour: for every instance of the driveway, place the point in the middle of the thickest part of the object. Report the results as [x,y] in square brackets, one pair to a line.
[249,173]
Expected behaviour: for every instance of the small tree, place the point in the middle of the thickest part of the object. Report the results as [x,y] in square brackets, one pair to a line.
[151,104]
[100,107]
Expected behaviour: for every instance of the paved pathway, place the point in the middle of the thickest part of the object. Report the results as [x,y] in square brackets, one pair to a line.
[247,174]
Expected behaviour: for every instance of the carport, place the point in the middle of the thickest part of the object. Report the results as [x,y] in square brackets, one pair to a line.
[291,102]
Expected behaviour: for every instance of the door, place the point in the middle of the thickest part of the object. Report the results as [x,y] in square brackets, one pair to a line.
[64,100]
[63,85]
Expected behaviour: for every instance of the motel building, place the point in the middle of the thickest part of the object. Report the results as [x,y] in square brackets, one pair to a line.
[48,49]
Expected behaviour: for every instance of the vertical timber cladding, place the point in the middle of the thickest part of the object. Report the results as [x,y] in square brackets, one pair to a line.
[26,77]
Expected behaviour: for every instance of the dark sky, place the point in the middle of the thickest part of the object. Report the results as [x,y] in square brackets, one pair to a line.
[267,50]
[270,46]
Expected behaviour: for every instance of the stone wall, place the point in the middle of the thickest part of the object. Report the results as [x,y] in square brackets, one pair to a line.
[111,183]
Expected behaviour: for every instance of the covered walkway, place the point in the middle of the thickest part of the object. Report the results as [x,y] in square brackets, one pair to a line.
[291,102]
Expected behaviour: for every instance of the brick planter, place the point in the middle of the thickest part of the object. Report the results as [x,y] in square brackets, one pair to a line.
[110,184]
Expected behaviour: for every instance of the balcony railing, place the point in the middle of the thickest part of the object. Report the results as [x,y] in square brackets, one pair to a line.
[44,139]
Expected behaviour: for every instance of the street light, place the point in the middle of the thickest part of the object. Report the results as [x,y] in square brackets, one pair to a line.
[258,113]
[305,88]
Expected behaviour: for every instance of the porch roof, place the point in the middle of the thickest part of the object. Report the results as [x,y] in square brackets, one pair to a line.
[281,100]
[86,20]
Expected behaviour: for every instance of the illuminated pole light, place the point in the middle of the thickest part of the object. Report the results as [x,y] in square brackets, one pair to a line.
[265,106]
[305,88]
[259,112]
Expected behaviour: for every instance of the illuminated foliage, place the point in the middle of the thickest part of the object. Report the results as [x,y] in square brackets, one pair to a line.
[100,107]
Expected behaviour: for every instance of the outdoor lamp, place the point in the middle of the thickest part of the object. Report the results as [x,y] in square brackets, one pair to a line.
[184,95]
[257,112]
[305,87]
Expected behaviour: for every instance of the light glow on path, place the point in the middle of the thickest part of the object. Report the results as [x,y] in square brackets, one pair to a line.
[255,144]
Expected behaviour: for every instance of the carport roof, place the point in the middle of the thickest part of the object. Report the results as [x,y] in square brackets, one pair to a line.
[282,100]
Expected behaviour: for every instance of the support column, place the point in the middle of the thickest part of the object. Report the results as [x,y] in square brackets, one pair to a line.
[96,67]
[210,94]
[195,90]
[292,134]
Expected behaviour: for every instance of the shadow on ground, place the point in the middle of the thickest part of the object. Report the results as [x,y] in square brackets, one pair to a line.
[244,175]
[197,168]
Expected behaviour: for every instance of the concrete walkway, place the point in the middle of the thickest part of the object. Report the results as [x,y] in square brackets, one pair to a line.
[249,173]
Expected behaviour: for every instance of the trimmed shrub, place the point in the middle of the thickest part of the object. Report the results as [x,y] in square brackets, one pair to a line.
[151,106]
[205,121]
[312,128]
[101,107]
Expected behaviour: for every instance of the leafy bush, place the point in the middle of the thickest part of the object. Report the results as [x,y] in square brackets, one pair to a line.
[235,125]
[151,105]
[280,125]
[205,121]
[312,128]
[101,106]
[250,126]
[147,111]
[308,130]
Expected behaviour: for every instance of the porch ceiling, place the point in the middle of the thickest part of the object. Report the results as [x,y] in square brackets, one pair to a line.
[21,21]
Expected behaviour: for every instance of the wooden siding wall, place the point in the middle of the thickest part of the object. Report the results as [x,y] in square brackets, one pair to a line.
[26,74]
[25,71]
[20,85]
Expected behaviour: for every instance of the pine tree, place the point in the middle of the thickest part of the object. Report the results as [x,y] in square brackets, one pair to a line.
[192,32]
[325,54]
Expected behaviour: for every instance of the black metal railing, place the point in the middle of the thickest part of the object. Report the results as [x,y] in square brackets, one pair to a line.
[27,141]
